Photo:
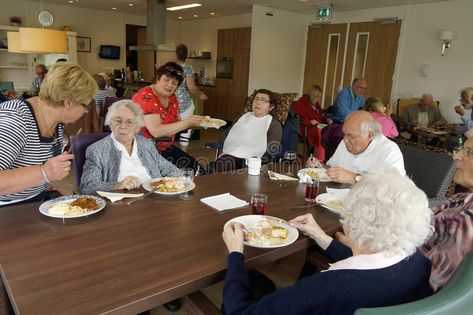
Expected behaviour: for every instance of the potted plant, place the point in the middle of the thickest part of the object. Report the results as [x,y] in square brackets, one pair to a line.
[15,20]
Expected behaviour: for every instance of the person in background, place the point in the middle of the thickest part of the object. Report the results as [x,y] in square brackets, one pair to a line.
[453,223]
[185,91]
[41,71]
[161,110]
[311,113]
[363,148]
[123,160]
[348,100]
[102,94]
[423,114]
[108,83]
[255,133]
[464,110]
[31,133]
[382,114]
[381,267]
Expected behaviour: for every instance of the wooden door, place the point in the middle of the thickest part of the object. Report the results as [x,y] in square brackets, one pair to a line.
[324,59]
[371,53]
[225,43]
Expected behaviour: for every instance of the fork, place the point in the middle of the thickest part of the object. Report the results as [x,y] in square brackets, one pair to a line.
[73,140]
[274,180]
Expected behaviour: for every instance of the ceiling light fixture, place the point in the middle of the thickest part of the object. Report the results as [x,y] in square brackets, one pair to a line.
[195,15]
[71,1]
[130,4]
[182,7]
[212,13]
[114,8]
[180,18]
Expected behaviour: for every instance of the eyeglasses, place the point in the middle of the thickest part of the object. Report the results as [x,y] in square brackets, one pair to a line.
[86,106]
[260,100]
[467,152]
[127,122]
[350,137]
[173,70]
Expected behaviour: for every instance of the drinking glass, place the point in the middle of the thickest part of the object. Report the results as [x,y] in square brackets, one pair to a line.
[188,176]
[290,156]
[311,191]
[259,203]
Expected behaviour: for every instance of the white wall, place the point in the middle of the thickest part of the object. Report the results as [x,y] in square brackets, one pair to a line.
[277,50]
[419,44]
[201,35]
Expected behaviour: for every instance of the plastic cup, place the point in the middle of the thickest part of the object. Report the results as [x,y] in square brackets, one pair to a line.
[311,191]
[259,203]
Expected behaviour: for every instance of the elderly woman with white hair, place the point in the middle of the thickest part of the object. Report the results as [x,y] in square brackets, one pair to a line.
[123,160]
[384,220]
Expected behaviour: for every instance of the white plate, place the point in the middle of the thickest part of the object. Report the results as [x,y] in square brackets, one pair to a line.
[213,123]
[45,206]
[321,174]
[326,200]
[148,187]
[249,222]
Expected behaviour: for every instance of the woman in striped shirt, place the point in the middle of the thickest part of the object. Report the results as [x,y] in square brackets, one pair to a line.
[31,133]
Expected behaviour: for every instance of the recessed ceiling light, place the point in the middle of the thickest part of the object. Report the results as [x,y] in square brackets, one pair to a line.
[180,18]
[114,8]
[130,4]
[195,15]
[186,6]
[212,13]
[71,1]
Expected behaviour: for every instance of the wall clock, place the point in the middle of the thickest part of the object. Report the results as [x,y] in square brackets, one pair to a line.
[45,18]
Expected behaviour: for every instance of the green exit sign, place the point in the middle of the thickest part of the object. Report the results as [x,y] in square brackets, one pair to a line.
[324,13]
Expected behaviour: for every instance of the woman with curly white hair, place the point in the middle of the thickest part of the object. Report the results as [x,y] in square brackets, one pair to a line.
[385,218]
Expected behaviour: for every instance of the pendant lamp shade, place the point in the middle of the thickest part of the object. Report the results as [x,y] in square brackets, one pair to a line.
[39,40]
[14,42]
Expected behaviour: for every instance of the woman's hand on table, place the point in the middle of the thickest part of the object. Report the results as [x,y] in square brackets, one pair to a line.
[233,235]
[194,121]
[314,122]
[58,167]
[309,227]
[128,183]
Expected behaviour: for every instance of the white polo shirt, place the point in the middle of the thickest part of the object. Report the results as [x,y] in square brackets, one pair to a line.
[381,153]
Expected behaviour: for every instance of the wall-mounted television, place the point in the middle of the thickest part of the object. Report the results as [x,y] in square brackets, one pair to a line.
[109,52]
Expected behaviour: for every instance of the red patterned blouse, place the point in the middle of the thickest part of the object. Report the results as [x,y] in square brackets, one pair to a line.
[151,105]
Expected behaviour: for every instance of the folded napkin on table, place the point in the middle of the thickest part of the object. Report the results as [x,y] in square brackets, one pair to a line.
[224,202]
[305,178]
[277,176]
[117,196]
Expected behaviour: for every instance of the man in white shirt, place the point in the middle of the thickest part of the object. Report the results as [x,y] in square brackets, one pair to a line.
[363,148]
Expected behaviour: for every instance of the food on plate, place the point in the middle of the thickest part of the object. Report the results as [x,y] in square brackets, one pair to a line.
[167,185]
[209,122]
[78,207]
[265,232]
[334,204]
[317,174]
[89,204]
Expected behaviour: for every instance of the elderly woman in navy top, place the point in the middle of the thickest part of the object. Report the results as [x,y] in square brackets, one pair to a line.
[123,160]
[31,133]
[384,221]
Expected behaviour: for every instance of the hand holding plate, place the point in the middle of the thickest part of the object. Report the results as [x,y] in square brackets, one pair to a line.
[233,235]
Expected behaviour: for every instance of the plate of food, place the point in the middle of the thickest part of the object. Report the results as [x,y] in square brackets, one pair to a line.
[330,201]
[266,231]
[209,122]
[318,174]
[72,206]
[168,185]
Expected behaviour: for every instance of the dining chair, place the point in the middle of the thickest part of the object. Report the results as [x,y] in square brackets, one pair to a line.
[456,297]
[430,168]
[79,147]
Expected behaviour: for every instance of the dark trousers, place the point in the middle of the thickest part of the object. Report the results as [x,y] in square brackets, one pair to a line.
[181,159]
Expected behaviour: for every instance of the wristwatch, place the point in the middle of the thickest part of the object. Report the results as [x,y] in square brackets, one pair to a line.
[357,178]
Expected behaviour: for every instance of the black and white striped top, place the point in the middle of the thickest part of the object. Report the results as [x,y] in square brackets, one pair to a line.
[21,144]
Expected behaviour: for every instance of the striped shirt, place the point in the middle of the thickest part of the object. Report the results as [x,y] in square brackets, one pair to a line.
[100,98]
[21,144]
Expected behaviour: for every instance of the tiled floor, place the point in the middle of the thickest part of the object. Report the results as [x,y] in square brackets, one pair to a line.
[283,273]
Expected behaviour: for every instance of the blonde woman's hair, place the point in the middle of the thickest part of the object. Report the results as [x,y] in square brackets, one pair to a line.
[374,104]
[313,91]
[67,81]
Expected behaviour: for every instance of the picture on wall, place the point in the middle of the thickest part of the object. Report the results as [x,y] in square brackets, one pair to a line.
[83,44]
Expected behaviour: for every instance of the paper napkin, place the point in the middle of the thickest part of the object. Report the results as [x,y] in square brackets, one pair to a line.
[117,196]
[277,176]
[224,202]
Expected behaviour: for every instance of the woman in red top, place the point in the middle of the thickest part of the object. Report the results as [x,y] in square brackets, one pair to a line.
[162,120]
[308,108]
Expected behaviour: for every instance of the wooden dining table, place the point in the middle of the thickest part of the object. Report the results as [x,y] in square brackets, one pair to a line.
[127,259]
